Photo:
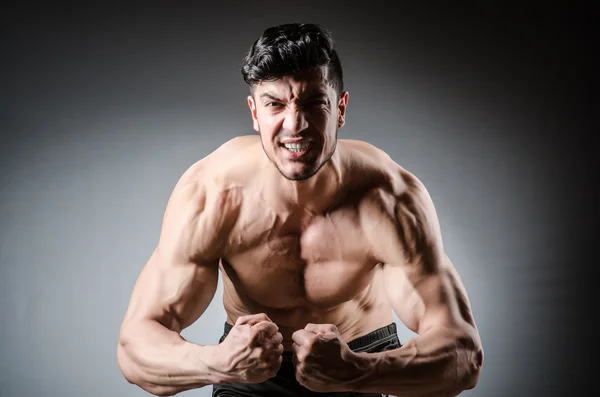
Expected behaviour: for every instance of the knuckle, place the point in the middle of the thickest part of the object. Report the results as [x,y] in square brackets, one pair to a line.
[270,348]
[261,316]
[240,328]
[241,319]
[260,351]
[301,356]
[255,334]
[276,363]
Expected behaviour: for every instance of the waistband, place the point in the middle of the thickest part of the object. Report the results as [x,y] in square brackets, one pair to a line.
[359,343]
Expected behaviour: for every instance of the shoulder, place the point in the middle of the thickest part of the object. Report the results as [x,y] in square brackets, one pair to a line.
[393,179]
[366,152]
[398,199]
[224,169]
[206,198]
[236,154]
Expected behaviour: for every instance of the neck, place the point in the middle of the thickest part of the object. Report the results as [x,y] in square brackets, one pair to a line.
[317,193]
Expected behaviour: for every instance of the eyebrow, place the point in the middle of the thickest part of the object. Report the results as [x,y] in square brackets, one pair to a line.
[315,95]
[267,95]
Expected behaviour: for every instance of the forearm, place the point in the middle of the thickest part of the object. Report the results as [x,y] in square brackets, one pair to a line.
[438,363]
[161,362]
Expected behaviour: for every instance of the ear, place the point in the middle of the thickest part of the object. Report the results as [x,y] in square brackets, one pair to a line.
[342,105]
[252,106]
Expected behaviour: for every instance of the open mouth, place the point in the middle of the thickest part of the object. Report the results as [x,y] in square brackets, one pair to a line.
[297,147]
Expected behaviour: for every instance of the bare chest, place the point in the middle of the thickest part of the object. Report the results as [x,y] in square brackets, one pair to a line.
[284,261]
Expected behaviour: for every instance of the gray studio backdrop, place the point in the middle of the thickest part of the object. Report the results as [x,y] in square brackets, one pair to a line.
[105,110]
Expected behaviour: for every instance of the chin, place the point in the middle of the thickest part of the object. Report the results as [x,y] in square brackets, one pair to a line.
[299,175]
[300,171]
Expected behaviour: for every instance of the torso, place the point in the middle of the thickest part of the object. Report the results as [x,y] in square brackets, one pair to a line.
[300,267]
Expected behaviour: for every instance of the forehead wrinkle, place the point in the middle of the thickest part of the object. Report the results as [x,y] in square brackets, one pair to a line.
[298,85]
[295,90]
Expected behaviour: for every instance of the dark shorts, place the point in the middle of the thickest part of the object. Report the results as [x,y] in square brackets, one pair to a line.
[284,384]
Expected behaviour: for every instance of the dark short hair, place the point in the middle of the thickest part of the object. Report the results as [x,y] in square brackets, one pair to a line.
[287,49]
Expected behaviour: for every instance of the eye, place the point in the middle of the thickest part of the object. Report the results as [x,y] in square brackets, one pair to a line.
[273,104]
[317,102]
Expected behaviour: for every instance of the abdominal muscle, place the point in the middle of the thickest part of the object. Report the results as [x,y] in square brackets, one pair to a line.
[361,314]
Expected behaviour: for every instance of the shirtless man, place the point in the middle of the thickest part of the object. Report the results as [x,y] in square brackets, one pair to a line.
[318,240]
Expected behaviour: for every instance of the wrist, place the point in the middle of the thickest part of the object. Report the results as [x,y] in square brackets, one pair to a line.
[366,366]
[214,365]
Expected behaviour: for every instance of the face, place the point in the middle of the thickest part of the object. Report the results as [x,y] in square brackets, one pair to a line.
[298,118]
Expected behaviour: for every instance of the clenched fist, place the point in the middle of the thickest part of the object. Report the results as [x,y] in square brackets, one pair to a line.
[324,362]
[252,350]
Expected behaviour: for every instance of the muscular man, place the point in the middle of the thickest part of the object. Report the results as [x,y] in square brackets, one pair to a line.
[318,241]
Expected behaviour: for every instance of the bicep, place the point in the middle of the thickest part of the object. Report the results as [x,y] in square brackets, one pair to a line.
[422,284]
[174,293]
[180,278]
[425,300]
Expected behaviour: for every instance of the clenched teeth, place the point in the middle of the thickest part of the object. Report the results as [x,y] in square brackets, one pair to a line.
[297,147]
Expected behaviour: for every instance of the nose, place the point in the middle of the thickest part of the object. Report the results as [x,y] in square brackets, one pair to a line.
[295,120]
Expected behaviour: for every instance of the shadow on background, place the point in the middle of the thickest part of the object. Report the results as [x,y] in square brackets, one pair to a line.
[104,108]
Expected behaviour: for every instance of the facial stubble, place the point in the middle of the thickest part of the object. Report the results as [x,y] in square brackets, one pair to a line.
[309,174]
